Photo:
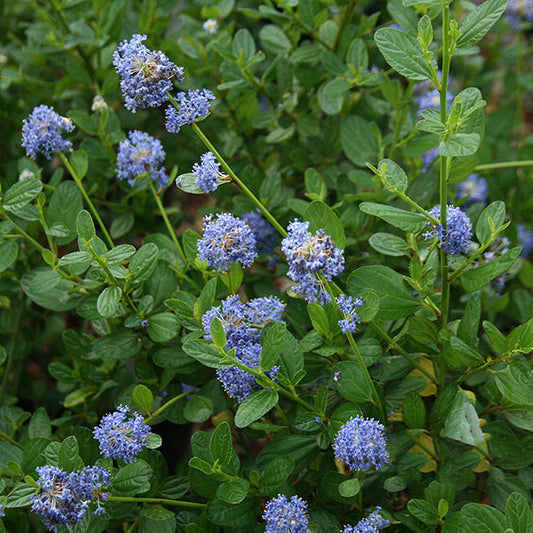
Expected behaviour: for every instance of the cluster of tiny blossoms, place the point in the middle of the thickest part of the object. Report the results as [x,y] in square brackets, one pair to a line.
[146,75]
[348,305]
[265,234]
[372,524]
[525,238]
[427,96]
[519,10]
[242,323]
[309,255]
[207,172]
[456,239]
[41,132]
[283,515]
[193,106]
[474,189]
[141,154]
[226,240]
[360,444]
[122,435]
[64,498]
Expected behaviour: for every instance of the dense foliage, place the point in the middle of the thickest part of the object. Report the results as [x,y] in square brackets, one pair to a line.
[264,266]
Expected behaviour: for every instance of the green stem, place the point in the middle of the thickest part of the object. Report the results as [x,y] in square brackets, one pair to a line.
[167,221]
[419,208]
[168,404]
[282,414]
[429,451]
[160,501]
[347,15]
[404,353]
[7,438]
[504,164]
[79,183]
[30,239]
[237,180]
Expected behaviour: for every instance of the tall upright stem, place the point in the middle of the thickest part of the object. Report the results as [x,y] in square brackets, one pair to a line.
[79,183]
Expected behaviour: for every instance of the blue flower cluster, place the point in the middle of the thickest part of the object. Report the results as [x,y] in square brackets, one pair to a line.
[146,75]
[242,323]
[265,234]
[226,240]
[41,132]
[141,154]
[525,238]
[474,189]
[431,100]
[348,305]
[360,443]
[372,524]
[429,158]
[456,239]
[64,498]
[308,255]
[2,513]
[518,10]
[193,105]
[207,173]
[283,515]
[122,435]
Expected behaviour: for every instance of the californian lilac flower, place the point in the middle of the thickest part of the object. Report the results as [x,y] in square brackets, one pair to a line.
[192,106]
[227,240]
[26,175]
[431,100]
[208,173]
[525,239]
[141,154]
[210,26]
[428,158]
[265,234]
[518,10]
[146,75]
[474,189]
[360,444]
[145,323]
[99,104]
[348,305]
[41,132]
[122,435]
[336,377]
[92,481]
[283,515]
[456,239]
[372,524]
[309,255]
[242,324]
[2,513]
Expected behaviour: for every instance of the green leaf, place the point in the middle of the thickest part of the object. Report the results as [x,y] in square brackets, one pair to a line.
[233,491]
[462,422]
[119,253]
[479,277]
[85,225]
[479,21]
[460,145]
[469,324]
[65,204]
[163,327]
[220,444]
[200,464]
[143,263]
[349,488]
[358,141]
[255,406]
[518,514]
[520,340]
[108,301]
[395,298]
[353,384]
[425,31]
[83,121]
[515,388]
[414,410]
[357,55]
[496,337]
[187,183]
[44,281]
[321,216]
[69,458]
[467,355]
[272,341]
[75,258]
[217,332]
[117,346]
[399,218]
[495,211]
[395,177]
[20,496]
[243,45]
[274,40]
[133,478]
[198,408]
[276,472]
[388,244]
[424,511]
[156,519]
[232,515]
[143,397]
[21,193]
[40,425]
[80,163]
[319,319]
[477,518]
[403,53]
[203,352]
[8,254]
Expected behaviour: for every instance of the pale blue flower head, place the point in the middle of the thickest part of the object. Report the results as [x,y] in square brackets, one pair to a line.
[372,524]
[265,234]
[283,515]
[474,189]
[192,106]
[348,305]
[457,238]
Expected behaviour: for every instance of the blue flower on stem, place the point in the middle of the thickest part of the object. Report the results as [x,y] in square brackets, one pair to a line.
[122,435]
[474,189]
[348,305]
[372,524]
[457,238]
[146,75]
[207,173]
[141,154]
[360,443]
[41,132]
[227,240]
[283,515]
[192,106]
[265,234]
